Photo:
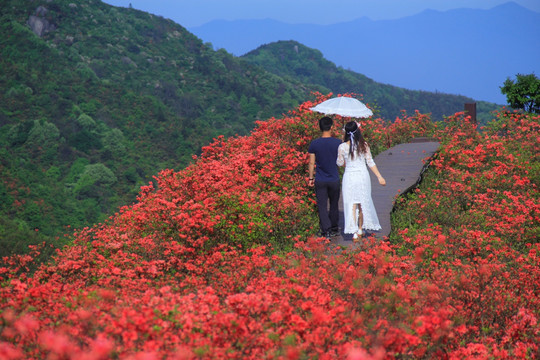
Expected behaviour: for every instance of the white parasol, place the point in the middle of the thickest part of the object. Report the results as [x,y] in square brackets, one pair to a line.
[344,106]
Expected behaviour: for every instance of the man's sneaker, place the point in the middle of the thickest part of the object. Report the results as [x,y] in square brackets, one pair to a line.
[321,233]
[334,232]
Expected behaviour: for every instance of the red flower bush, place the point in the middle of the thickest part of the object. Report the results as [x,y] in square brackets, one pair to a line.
[218,261]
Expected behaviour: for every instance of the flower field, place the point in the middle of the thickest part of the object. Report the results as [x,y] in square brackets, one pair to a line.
[219,260]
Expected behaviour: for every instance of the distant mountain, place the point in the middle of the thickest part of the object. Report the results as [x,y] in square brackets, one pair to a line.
[464,51]
[294,61]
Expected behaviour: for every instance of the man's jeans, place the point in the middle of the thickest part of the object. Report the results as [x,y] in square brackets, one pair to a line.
[328,192]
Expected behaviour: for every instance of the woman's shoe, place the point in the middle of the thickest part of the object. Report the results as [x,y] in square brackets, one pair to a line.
[357,235]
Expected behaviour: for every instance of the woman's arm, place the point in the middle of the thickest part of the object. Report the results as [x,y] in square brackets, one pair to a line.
[382,181]
[340,161]
[373,167]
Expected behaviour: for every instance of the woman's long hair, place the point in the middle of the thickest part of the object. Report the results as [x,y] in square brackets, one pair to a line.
[358,144]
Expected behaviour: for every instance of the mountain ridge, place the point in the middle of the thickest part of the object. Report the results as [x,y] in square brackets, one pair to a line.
[483,48]
[292,60]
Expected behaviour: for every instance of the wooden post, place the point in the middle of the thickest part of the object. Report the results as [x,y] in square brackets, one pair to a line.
[470,109]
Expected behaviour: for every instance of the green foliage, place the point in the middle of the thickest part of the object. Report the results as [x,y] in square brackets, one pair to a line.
[94,181]
[92,109]
[16,236]
[114,142]
[86,122]
[524,93]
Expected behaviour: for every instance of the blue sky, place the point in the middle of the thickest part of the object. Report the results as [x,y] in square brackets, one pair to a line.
[191,13]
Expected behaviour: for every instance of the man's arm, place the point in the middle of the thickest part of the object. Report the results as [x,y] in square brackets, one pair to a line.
[311,168]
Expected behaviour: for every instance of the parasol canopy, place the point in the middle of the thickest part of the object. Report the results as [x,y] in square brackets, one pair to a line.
[344,106]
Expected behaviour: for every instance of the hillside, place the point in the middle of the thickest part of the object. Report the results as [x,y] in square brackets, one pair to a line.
[218,260]
[468,52]
[96,100]
[294,61]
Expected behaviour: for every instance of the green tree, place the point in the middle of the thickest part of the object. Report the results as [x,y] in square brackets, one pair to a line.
[86,122]
[524,93]
[43,134]
[94,181]
[113,143]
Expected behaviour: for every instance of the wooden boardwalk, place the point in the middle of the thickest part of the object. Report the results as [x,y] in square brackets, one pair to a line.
[401,166]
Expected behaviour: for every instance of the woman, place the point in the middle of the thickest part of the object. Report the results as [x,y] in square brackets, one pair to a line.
[358,208]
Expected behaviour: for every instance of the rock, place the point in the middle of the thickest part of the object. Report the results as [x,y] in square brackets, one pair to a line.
[128,61]
[41,11]
[38,24]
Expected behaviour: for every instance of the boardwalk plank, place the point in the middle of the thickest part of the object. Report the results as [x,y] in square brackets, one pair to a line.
[401,166]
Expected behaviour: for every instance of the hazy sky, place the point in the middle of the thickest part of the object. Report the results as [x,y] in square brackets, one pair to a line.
[190,13]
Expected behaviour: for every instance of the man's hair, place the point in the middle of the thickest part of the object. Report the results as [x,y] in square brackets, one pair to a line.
[325,123]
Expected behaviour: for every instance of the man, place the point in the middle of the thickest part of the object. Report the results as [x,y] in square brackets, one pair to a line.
[322,158]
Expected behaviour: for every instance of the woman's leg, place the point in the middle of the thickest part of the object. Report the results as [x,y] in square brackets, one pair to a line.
[360,217]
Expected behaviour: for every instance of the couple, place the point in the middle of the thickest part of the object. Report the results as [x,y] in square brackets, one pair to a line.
[325,153]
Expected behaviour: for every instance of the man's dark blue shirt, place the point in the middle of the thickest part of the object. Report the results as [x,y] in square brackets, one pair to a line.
[325,150]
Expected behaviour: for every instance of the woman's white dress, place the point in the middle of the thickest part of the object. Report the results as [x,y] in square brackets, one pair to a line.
[356,189]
